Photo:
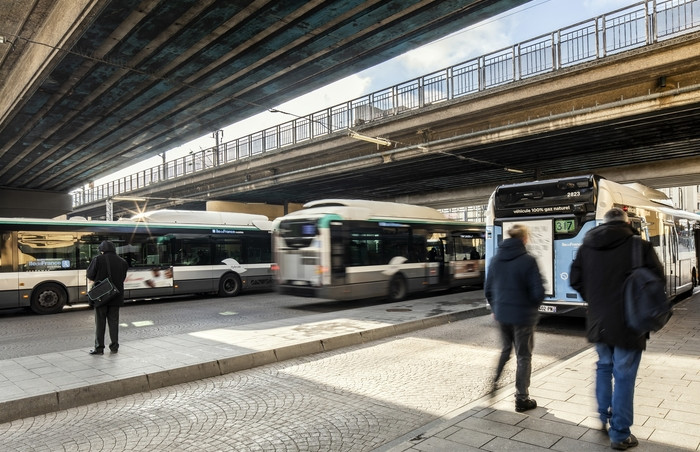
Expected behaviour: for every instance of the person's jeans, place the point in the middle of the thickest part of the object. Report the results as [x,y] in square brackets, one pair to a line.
[616,406]
[523,338]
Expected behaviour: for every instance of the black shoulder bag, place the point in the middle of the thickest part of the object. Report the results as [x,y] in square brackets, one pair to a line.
[102,291]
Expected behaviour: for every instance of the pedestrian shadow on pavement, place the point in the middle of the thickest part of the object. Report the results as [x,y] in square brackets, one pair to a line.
[499,427]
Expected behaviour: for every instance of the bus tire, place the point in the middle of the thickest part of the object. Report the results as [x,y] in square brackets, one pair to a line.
[230,285]
[48,298]
[397,288]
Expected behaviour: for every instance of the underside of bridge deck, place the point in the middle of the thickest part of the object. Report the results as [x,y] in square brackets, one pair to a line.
[92,86]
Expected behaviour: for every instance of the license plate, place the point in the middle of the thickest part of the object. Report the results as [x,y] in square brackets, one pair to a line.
[548,309]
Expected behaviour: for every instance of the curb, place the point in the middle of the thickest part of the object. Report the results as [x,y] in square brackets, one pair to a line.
[70,398]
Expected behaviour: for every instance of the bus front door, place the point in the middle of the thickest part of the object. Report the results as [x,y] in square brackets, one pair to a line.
[670,249]
[340,243]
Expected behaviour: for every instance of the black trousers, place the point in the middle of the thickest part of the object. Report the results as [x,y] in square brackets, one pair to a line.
[107,316]
[523,338]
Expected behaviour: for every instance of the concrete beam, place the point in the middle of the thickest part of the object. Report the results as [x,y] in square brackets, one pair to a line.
[61,24]
[676,173]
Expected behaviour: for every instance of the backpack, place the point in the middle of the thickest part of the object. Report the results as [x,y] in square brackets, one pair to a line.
[646,306]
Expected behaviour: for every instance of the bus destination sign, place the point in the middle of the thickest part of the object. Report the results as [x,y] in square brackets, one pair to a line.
[535,210]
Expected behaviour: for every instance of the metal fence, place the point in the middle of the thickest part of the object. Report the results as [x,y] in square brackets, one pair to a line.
[637,25]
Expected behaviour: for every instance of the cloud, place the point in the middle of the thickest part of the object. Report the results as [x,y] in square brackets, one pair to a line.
[454,49]
[604,6]
[336,93]
[518,25]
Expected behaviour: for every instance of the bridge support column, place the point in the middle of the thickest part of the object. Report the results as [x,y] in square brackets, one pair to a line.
[272,211]
[34,204]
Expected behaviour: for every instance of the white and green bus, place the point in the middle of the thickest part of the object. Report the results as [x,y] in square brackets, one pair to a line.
[169,252]
[345,249]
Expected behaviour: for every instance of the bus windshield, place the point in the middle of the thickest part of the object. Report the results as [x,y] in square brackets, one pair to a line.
[298,233]
[569,199]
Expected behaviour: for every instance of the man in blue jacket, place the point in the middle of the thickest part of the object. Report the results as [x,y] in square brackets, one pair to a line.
[108,314]
[515,292]
[598,273]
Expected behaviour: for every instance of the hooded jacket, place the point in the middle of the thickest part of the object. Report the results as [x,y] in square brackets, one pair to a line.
[513,286]
[97,270]
[598,273]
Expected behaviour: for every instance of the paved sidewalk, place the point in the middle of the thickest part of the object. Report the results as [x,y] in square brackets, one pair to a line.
[34,385]
[667,403]
[667,400]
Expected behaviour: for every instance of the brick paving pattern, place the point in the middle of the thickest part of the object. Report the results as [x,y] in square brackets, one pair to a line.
[423,391]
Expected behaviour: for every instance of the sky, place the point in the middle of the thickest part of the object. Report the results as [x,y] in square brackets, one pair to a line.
[528,21]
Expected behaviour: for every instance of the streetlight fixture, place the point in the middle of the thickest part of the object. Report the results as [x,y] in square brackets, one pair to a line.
[379,141]
[130,198]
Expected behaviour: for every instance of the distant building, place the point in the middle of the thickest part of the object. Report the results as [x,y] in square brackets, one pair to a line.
[685,198]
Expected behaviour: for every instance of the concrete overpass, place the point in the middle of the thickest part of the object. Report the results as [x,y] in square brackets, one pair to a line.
[90,86]
[629,115]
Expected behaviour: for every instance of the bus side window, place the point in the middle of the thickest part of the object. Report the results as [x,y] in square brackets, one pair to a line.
[449,250]
[83,256]
[226,248]
[46,250]
[367,249]
[418,249]
[358,253]
[6,252]
[258,250]
[200,257]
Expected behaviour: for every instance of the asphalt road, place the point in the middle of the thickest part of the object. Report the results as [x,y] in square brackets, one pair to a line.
[23,333]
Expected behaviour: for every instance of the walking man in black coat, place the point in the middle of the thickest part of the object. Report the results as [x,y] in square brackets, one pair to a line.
[598,273]
[108,314]
[515,292]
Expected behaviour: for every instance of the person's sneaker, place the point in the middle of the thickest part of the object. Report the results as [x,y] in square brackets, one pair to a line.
[524,405]
[604,427]
[631,441]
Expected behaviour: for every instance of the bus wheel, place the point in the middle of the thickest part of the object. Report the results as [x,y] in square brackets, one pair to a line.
[48,298]
[397,288]
[230,285]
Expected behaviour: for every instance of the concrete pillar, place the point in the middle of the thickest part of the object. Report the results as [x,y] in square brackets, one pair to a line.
[33,204]
[272,211]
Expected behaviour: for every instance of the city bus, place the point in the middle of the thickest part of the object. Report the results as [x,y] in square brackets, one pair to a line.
[169,252]
[559,213]
[343,249]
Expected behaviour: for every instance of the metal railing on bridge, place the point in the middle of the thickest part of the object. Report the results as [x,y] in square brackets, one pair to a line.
[637,25]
